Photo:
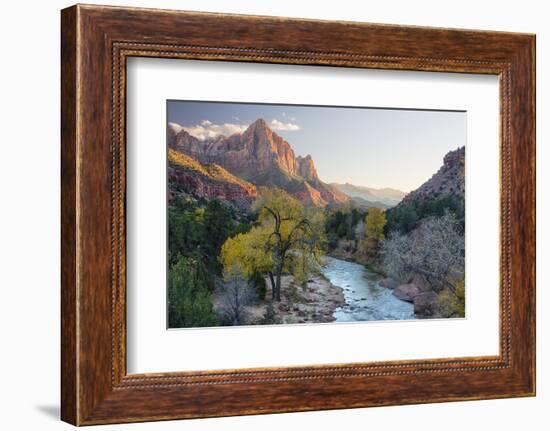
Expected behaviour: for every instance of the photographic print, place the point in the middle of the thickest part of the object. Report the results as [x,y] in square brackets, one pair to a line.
[297,214]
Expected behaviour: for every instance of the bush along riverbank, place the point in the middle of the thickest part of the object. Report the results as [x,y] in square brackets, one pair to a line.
[418,245]
[423,265]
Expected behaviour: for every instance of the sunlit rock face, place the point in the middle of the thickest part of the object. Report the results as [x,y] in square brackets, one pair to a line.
[187,176]
[263,158]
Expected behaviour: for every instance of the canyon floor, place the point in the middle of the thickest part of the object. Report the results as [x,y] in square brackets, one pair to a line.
[315,303]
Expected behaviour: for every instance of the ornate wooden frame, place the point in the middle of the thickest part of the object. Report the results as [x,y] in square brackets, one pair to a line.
[95,43]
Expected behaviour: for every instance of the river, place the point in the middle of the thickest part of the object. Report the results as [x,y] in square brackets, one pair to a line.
[365,298]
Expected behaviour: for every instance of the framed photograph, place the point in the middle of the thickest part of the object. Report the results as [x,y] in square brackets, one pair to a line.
[265,215]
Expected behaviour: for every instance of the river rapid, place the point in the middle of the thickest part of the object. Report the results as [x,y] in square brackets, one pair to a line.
[365,299]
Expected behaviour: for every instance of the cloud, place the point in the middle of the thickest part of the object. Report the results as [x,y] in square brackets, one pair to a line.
[208,130]
[279,125]
[288,117]
[175,127]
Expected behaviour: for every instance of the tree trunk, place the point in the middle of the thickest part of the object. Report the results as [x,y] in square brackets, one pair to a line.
[278,272]
[278,285]
[273,288]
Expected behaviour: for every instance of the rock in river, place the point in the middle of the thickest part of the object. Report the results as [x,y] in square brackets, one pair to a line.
[406,292]
[421,282]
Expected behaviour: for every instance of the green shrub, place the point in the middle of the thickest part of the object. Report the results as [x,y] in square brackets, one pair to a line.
[189,297]
[404,217]
[452,304]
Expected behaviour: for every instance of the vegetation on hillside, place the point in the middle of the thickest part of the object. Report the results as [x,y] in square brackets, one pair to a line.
[231,254]
[190,294]
[414,241]
[435,251]
[406,216]
[355,234]
[212,171]
[224,256]
[196,232]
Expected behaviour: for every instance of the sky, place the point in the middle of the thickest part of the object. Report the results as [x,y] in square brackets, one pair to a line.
[370,147]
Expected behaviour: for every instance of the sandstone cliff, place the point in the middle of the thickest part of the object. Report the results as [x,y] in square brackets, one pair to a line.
[261,157]
[187,176]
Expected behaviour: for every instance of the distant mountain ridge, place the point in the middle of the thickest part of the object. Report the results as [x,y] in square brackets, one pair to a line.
[261,157]
[387,197]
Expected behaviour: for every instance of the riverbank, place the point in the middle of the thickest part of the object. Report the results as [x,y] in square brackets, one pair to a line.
[315,303]
[343,291]
[355,257]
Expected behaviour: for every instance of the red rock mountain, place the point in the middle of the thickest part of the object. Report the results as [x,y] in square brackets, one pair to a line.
[187,176]
[261,157]
[448,180]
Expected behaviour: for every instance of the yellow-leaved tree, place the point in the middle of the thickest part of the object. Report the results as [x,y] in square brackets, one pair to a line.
[287,237]
[375,221]
[247,252]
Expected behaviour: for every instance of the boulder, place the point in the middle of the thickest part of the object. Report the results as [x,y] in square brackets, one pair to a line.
[388,283]
[421,282]
[406,292]
[426,304]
